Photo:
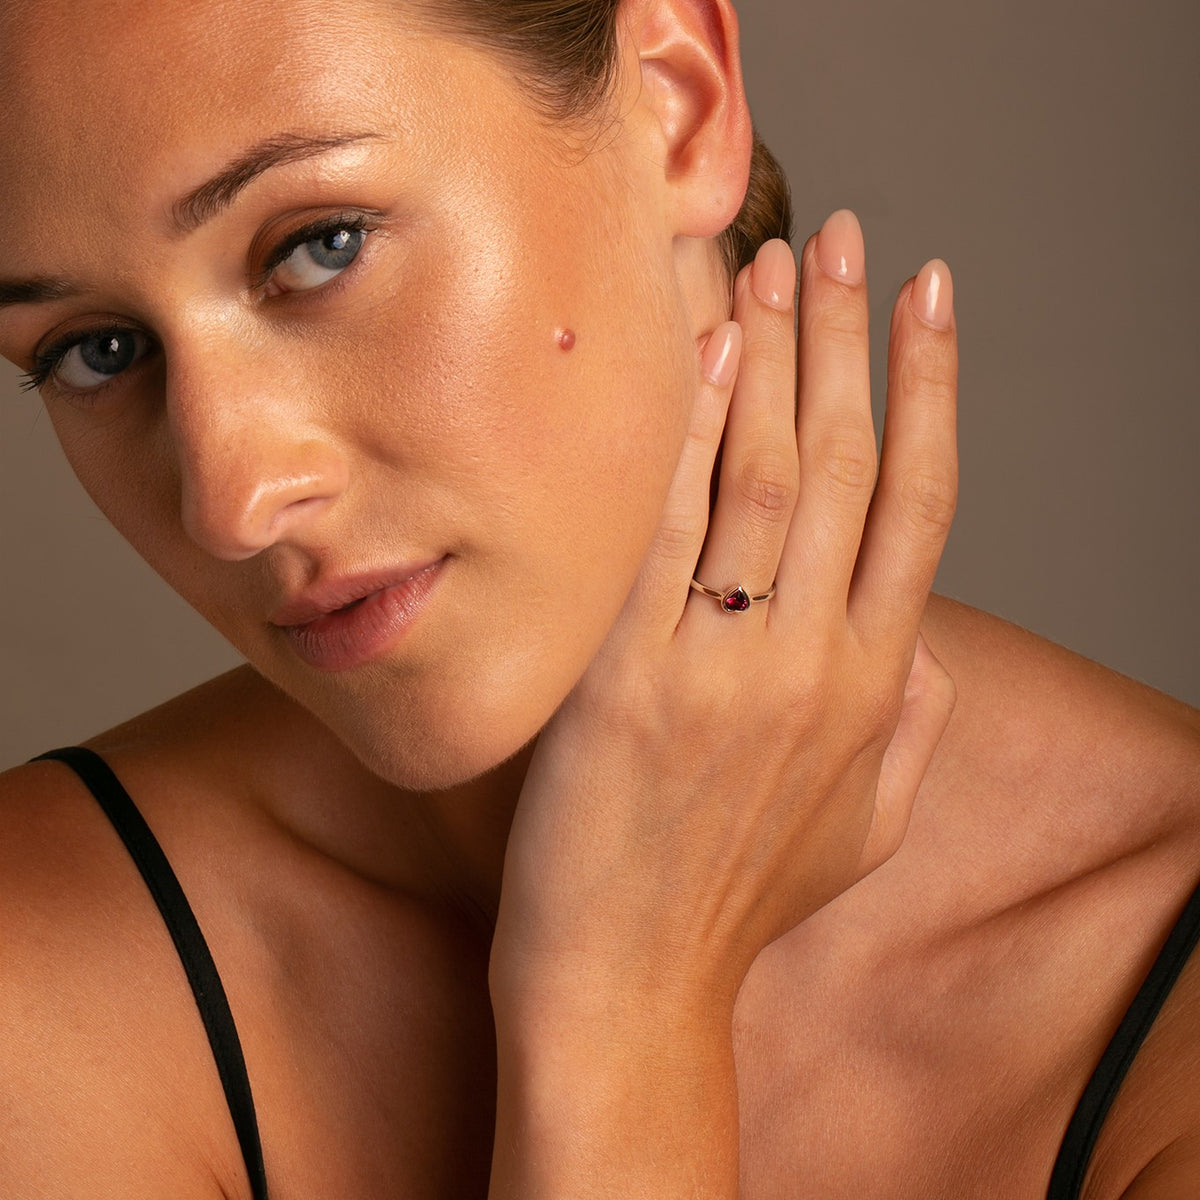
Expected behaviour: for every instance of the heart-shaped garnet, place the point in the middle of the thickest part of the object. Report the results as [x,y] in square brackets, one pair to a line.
[736,601]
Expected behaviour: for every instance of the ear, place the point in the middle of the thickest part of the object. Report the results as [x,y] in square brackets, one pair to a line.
[691,89]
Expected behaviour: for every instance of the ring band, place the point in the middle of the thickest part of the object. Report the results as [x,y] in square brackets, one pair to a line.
[735,600]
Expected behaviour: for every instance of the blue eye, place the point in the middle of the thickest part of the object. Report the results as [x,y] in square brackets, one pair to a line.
[306,264]
[90,361]
[311,257]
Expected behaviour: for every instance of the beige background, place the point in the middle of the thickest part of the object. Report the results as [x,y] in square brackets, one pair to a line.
[1048,150]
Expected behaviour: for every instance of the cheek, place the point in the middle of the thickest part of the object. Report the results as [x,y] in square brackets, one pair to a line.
[126,467]
[540,385]
[544,469]
[572,451]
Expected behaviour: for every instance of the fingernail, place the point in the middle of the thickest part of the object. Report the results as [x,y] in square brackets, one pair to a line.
[932,297]
[840,252]
[719,362]
[774,275]
[740,284]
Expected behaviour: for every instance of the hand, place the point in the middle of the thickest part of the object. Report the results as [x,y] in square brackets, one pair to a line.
[714,779]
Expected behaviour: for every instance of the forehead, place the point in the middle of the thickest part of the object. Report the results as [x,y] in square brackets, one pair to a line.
[107,98]
[80,61]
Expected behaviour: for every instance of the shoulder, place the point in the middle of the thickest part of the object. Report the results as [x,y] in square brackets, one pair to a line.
[56,858]
[107,1082]
[60,858]
[1074,794]
[84,1022]
[995,655]
[1086,777]
[1034,713]
[105,1089]
[1149,1147]
[1063,785]
[1170,1175]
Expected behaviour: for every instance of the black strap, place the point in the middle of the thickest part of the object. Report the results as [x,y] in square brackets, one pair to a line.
[189,942]
[1078,1143]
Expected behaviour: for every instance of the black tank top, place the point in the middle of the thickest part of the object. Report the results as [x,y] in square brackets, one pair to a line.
[1066,1180]
[189,942]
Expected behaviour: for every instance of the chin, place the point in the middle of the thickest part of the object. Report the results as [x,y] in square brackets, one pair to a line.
[436,744]
[421,764]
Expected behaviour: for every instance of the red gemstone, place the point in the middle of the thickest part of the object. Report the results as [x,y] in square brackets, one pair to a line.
[736,601]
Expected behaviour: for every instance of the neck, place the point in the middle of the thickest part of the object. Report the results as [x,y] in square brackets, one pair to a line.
[445,848]
[467,829]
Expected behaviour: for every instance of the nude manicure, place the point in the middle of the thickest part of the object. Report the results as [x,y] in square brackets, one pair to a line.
[932,296]
[719,362]
[773,276]
[840,251]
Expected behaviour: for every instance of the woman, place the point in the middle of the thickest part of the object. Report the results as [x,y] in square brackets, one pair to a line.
[409,371]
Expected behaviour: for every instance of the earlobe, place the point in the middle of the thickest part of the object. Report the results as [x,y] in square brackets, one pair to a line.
[691,79]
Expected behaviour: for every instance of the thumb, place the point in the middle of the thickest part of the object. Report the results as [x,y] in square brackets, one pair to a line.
[929,699]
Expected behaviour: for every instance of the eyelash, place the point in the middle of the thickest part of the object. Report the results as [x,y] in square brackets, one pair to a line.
[46,361]
[44,364]
[314,232]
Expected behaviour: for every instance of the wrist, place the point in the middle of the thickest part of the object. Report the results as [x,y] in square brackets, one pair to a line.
[677,975]
[614,1084]
[629,994]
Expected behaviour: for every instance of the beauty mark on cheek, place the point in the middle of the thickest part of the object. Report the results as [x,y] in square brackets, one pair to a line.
[566,339]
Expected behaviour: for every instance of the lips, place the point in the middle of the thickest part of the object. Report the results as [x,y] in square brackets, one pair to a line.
[345,622]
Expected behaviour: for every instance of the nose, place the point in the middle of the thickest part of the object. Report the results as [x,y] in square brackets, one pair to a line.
[255,467]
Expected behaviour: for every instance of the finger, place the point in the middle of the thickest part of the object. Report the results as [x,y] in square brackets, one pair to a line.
[756,490]
[661,589]
[914,503]
[835,433]
[929,699]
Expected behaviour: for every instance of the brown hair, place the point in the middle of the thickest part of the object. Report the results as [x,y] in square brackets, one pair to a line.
[565,54]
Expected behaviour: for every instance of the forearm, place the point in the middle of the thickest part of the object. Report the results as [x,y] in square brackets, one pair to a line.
[614,1094]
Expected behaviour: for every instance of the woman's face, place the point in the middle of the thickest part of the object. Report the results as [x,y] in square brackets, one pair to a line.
[349,361]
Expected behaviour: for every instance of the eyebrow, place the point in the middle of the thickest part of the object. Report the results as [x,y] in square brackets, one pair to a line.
[35,291]
[203,203]
[199,205]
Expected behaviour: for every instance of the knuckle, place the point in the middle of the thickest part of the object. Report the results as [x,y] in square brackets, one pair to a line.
[873,716]
[767,485]
[848,459]
[838,314]
[930,373]
[881,714]
[678,537]
[839,340]
[771,349]
[927,500]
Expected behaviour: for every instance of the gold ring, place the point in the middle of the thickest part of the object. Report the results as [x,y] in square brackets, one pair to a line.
[736,600]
